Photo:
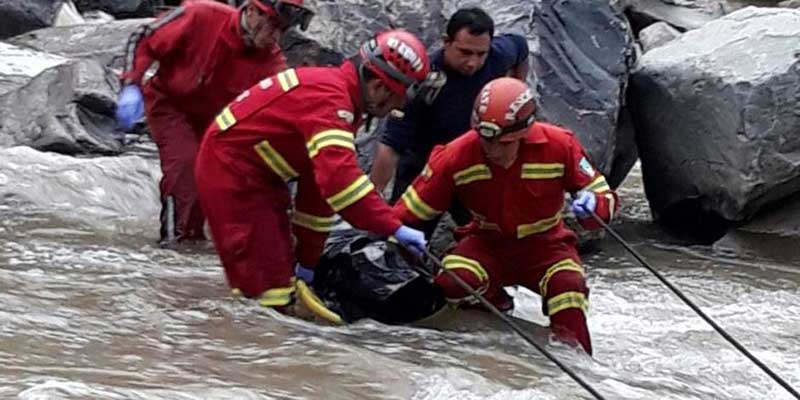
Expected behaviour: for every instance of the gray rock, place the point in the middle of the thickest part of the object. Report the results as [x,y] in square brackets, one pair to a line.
[717,115]
[581,73]
[56,104]
[122,8]
[683,14]
[19,16]
[104,43]
[790,4]
[657,35]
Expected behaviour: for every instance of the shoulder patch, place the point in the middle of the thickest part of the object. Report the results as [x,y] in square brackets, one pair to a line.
[345,115]
[586,167]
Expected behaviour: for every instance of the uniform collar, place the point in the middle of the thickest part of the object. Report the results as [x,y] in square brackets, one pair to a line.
[536,134]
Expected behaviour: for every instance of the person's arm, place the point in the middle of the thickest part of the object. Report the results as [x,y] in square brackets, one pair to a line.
[589,188]
[383,167]
[432,191]
[512,52]
[520,71]
[154,41]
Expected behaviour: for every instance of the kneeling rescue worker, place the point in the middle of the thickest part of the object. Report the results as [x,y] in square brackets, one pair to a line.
[512,174]
[299,125]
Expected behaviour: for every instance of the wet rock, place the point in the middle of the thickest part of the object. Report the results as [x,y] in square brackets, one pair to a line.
[581,73]
[104,43]
[657,35]
[122,8]
[683,15]
[717,113]
[81,188]
[55,103]
[19,16]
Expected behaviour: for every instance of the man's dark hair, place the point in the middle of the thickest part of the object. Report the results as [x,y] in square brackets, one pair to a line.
[474,19]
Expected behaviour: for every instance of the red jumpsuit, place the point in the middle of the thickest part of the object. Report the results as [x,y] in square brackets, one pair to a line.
[296,126]
[203,64]
[517,235]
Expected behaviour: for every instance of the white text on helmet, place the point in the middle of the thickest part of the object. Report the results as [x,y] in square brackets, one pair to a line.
[406,52]
[483,102]
[517,104]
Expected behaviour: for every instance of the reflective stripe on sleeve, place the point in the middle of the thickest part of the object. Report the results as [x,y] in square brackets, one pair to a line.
[288,79]
[598,185]
[351,194]
[274,160]
[314,222]
[474,173]
[542,171]
[331,137]
[418,206]
[225,119]
[563,265]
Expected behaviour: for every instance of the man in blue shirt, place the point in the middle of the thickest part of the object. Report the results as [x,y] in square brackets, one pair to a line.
[471,56]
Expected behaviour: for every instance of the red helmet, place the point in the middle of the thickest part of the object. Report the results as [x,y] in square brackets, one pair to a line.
[399,59]
[288,12]
[503,106]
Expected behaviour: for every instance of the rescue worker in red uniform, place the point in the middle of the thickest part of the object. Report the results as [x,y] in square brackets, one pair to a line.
[299,126]
[512,174]
[207,54]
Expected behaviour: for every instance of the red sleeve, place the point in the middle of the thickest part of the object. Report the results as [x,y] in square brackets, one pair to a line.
[344,186]
[156,40]
[431,192]
[582,175]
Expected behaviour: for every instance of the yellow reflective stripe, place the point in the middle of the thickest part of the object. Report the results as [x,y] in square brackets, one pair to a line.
[351,194]
[275,161]
[276,297]
[539,226]
[288,79]
[542,171]
[472,174]
[331,137]
[567,300]
[418,206]
[313,222]
[598,185]
[453,261]
[563,265]
[225,119]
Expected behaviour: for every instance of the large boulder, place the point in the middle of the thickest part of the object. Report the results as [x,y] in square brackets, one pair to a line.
[717,115]
[19,16]
[581,67]
[104,43]
[54,103]
[122,8]
[683,15]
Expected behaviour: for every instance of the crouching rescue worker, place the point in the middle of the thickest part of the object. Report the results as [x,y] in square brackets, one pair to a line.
[299,125]
[207,54]
[512,174]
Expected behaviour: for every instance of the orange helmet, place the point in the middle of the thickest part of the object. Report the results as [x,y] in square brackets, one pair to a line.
[503,106]
[399,59]
[288,12]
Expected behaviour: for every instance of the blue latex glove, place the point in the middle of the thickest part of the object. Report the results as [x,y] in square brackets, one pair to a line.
[130,106]
[584,204]
[303,273]
[412,239]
